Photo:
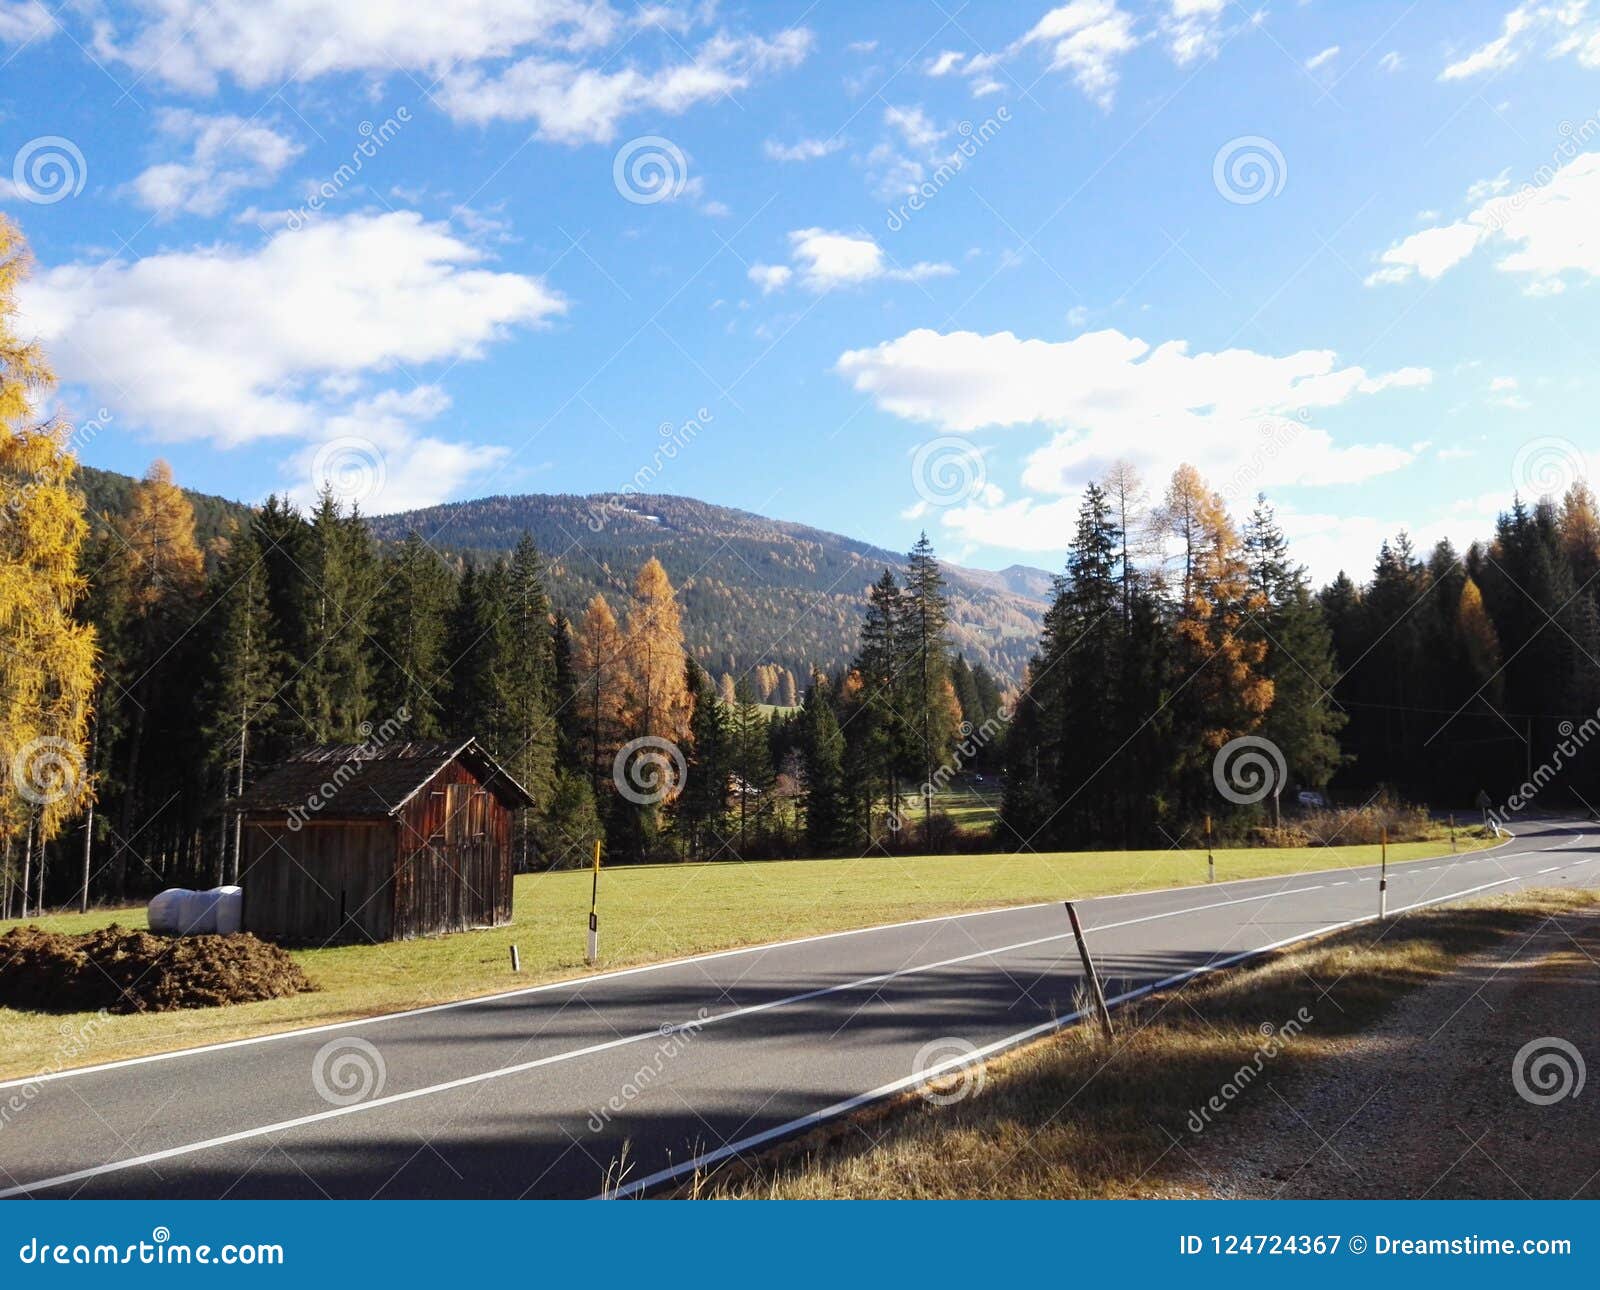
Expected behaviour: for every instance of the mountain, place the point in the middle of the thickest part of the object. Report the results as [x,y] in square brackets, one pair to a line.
[754,590]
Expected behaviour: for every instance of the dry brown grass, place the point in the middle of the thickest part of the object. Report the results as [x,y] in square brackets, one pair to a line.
[1069,1117]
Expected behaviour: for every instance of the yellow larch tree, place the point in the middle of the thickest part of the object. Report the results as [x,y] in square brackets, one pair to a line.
[599,667]
[658,688]
[47,658]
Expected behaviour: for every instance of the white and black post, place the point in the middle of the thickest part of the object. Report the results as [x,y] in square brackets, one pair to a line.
[594,909]
[1383,875]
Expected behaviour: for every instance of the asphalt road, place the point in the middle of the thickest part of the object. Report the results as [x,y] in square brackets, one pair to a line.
[622,1081]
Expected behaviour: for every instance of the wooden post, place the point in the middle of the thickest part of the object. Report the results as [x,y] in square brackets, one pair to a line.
[1383,874]
[1452,833]
[594,908]
[1089,971]
[1211,859]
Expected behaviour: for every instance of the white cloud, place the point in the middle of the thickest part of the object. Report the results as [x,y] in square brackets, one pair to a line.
[803,149]
[1193,29]
[1504,391]
[231,344]
[1322,59]
[570,67]
[1550,226]
[824,259]
[770,277]
[1566,24]
[190,44]
[1391,62]
[947,61]
[1430,253]
[226,154]
[914,126]
[575,103]
[403,467]
[25,20]
[1243,418]
[1086,38]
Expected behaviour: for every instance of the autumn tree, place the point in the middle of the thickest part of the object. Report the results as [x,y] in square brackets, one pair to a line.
[600,675]
[49,656]
[658,699]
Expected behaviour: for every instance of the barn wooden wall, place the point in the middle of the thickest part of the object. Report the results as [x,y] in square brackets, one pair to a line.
[455,867]
[328,882]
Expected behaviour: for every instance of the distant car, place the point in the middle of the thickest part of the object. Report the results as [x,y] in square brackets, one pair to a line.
[1310,798]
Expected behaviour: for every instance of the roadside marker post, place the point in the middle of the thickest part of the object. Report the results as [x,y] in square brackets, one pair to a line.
[594,909]
[1452,833]
[1103,1012]
[1383,874]
[1211,859]
[516,960]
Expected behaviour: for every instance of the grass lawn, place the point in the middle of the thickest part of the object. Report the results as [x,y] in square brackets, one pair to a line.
[647,914]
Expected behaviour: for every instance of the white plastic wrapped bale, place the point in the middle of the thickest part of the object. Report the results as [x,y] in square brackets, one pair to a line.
[181,912]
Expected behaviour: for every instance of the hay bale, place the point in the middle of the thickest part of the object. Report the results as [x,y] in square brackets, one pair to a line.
[122,970]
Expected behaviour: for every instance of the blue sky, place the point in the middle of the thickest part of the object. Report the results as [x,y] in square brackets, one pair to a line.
[871,267]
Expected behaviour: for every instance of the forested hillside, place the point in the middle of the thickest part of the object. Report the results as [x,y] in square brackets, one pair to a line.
[753,590]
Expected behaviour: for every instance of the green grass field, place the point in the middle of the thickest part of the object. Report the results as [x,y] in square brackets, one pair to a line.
[647,914]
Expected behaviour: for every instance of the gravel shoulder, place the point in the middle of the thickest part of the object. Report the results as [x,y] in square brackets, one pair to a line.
[1425,1104]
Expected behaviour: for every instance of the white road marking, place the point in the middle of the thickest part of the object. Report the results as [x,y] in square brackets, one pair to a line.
[465,1081]
[569,983]
[777,1132]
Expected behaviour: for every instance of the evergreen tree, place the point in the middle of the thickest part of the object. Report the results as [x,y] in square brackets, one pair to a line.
[244,674]
[1303,721]
[924,622]
[334,688]
[417,596]
[822,749]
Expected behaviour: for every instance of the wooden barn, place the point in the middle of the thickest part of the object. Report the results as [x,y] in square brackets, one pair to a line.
[378,842]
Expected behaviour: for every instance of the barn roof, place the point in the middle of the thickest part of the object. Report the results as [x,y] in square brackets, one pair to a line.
[371,780]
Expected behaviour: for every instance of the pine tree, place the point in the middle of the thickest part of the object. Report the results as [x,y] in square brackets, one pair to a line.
[884,740]
[703,806]
[822,749]
[245,671]
[409,637]
[334,687]
[751,766]
[925,620]
[1303,721]
[527,681]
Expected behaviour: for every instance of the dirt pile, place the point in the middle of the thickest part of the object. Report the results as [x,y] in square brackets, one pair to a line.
[123,970]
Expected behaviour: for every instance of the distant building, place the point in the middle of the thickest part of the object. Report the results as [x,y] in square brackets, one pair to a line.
[378,842]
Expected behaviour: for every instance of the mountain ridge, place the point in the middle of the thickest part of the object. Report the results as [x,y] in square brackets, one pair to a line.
[754,590]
